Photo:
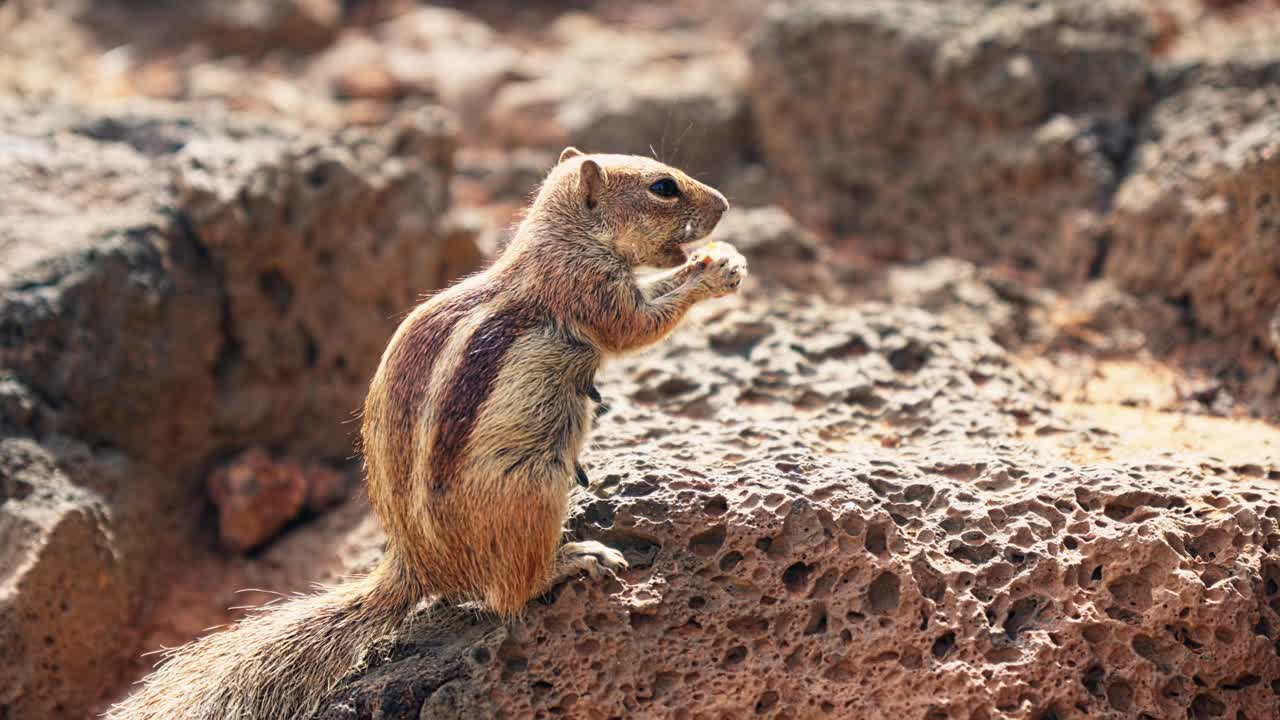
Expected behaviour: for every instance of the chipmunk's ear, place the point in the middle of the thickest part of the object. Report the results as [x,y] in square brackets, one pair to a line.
[569,152]
[591,182]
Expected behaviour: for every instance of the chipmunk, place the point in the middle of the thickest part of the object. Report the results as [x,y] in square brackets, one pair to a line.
[472,430]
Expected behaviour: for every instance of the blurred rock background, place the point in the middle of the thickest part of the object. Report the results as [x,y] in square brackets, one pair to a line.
[989,434]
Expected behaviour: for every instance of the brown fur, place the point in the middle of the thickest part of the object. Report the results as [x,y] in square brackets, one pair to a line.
[471,386]
[472,431]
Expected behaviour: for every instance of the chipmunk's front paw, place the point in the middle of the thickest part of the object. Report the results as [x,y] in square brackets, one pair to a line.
[719,269]
[594,558]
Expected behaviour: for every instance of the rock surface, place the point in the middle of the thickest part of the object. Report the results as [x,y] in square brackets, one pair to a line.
[1015,486]
[171,290]
[257,495]
[863,512]
[254,26]
[946,127]
[778,249]
[1048,136]
[248,291]
[71,580]
[432,52]
[1199,217]
[623,91]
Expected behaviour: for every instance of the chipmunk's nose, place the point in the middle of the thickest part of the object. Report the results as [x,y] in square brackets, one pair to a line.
[720,201]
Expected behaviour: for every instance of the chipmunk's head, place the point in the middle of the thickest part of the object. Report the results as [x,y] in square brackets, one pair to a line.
[647,212]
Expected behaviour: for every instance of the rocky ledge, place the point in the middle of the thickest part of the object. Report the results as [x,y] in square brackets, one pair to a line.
[864,512]
[1026,488]
[171,289]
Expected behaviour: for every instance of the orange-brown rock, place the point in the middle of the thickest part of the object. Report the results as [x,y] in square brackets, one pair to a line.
[872,511]
[174,290]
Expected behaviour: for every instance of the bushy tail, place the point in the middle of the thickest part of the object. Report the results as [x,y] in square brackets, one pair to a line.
[279,662]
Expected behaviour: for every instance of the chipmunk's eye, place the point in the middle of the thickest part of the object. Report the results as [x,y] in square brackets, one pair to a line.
[666,187]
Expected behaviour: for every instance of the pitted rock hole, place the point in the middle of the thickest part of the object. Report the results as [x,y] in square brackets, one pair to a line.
[928,580]
[884,594]
[944,644]
[842,671]
[1209,545]
[1132,592]
[1206,706]
[876,541]
[513,661]
[824,585]
[675,387]
[740,339]
[734,656]
[641,551]
[1021,614]
[1147,648]
[796,577]
[1092,679]
[1242,682]
[14,489]
[749,625]
[716,506]
[664,683]
[277,288]
[1120,695]
[730,560]
[909,358]
[817,624]
[766,702]
[642,621]
[707,543]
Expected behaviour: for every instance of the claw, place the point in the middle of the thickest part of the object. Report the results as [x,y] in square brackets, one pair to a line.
[613,559]
[594,394]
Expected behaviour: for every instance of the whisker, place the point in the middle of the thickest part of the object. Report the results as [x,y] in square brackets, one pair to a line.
[686,132]
[662,143]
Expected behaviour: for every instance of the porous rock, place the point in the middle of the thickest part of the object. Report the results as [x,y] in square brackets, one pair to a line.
[459,58]
[68,596]
[680,96]
[1198,220]
[260,26]
[170,290]
[961,291]
[934,127]
[778,249]
[510,177]
[1218,30]
[435,52]
[835,513]
[257,495]
[244,290]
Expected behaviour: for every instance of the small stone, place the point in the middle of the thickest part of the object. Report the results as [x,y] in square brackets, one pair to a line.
[326,487]
[257,496]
